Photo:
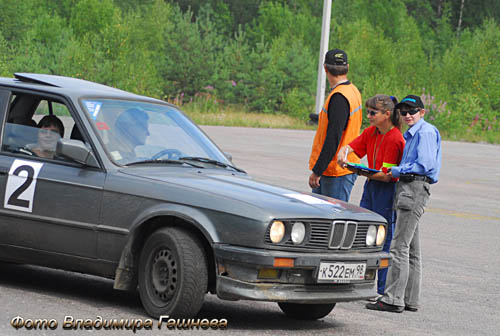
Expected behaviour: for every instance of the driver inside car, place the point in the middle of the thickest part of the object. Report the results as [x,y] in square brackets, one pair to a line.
[50,130]
[131,131]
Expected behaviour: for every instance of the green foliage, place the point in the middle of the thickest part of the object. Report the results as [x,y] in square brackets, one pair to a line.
[474,12]
[262,55]
[4,61]
[276,69]
[220,15]
[15,18]
[469,81]
[91,16]
[234,12]
[297,103]
[191,55]
[43,44]
[277,19]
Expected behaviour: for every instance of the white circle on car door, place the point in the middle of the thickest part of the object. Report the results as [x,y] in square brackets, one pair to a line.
[21,185]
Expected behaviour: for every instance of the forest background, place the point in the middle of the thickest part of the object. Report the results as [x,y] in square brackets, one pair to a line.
[260,58]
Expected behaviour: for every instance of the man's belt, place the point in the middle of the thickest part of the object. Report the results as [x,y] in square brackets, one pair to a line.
[414,177]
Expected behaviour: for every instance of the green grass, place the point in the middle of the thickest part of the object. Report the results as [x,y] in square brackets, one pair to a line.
[238,116]
[234,116]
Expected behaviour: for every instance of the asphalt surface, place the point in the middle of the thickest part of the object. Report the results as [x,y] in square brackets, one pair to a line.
[460,236]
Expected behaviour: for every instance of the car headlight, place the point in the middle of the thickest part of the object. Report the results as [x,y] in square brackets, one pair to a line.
[380,235]
[277,232]
[298,232]
[371,235]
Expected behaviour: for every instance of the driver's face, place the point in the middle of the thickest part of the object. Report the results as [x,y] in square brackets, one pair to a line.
[48,136]
[142,132]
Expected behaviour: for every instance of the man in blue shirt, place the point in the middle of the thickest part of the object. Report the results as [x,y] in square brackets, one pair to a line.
[418,169]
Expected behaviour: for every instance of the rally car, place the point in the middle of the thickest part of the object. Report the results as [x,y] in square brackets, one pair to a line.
[102,181]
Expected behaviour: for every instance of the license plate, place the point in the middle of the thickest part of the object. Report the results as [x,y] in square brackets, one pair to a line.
[341,272]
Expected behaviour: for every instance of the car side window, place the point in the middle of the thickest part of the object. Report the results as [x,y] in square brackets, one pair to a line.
[35,123]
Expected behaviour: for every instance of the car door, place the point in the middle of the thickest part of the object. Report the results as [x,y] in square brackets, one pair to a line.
[47,205]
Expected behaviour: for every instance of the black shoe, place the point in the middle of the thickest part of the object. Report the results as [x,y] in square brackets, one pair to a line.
[412,309]
[382,306]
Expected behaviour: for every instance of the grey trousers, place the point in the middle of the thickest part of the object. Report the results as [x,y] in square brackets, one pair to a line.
[405,274]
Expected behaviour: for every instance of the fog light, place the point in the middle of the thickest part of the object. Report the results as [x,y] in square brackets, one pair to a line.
[298,233]
[380,235]
[268,273]
[371,235]
[370,274]
[277,232]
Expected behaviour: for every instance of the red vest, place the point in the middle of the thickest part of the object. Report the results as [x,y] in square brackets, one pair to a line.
[351,93]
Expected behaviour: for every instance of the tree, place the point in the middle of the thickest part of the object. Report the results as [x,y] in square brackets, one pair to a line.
[460,17]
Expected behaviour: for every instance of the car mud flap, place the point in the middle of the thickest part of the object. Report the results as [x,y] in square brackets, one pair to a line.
[125,277]
[124,280]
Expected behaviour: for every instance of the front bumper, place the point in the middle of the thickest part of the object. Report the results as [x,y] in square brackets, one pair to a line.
[238,275]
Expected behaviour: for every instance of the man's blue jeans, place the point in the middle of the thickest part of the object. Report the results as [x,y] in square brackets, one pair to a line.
[337,187]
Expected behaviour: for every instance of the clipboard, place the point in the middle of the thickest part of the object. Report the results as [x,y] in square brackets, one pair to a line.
[362,167]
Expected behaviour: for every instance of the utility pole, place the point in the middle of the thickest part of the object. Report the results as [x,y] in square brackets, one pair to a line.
[325,34]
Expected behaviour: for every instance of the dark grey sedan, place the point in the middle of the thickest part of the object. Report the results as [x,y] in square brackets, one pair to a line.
[106,182]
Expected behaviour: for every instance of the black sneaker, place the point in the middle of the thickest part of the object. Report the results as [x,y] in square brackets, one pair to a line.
[412,309]
[382,306]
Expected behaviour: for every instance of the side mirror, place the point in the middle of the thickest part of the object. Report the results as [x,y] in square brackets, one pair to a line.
[76,151]
[228,156]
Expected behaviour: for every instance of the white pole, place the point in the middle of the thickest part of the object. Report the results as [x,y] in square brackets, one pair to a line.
[325,34]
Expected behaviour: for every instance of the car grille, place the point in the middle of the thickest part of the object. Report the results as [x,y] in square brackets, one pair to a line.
[336,235]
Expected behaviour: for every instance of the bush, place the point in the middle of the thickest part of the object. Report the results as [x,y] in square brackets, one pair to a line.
[298,104]
[276,20]
[468,80]
[191,57]
[275,70]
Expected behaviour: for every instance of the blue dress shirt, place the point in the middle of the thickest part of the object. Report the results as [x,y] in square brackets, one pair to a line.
[422,153]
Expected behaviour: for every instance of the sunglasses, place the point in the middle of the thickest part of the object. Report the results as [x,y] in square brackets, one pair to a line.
[46,131]
[372,112]
[411,112]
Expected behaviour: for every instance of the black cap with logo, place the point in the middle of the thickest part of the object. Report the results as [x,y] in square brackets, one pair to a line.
[336,57]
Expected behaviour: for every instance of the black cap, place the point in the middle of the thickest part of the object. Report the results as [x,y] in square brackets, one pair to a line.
[411,100]
[336,57]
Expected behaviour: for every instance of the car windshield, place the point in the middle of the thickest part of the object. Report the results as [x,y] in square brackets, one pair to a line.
[133,132]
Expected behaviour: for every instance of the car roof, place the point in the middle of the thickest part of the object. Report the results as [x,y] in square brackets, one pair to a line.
[72,87]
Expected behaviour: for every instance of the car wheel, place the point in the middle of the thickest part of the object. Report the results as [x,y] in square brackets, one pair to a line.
[172,274]
[301,311]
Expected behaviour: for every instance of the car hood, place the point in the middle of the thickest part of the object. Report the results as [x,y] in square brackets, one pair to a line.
[238,193]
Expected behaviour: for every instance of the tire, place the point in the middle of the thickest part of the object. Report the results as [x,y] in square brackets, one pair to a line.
[172,274]
[301,311]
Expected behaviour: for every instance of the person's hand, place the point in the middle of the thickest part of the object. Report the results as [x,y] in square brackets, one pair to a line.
[314,181]
[353,169]
[342,157]
[389,172]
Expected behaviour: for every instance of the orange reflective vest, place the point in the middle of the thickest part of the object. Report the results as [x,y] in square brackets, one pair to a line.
[351,93]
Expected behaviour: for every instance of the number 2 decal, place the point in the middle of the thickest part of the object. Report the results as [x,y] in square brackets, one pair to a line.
[21,185]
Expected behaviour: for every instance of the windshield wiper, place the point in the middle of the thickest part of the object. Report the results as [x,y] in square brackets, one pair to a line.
[211,161]
[163,161]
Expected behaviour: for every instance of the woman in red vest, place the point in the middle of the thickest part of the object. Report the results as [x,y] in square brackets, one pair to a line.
[383,144]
